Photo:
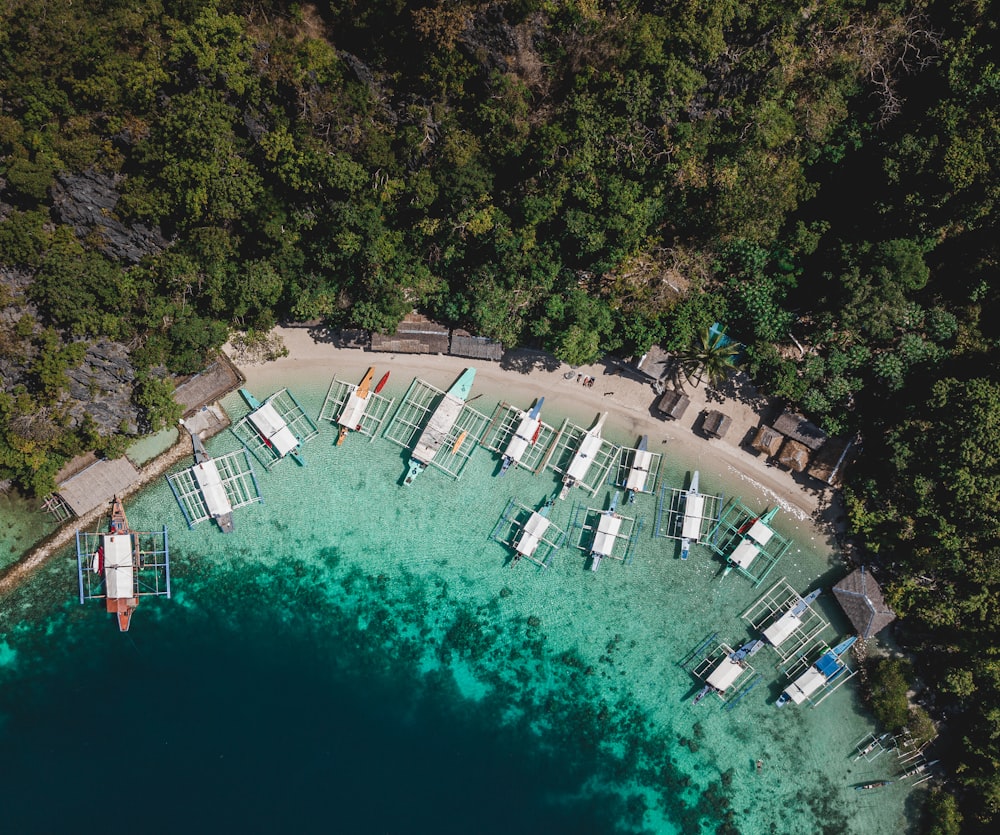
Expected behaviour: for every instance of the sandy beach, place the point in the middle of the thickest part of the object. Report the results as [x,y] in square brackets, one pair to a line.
[524,376]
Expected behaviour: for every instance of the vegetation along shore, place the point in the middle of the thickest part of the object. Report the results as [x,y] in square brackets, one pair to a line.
[804,192]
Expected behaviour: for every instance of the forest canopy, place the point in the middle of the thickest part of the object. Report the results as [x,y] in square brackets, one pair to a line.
[584,176]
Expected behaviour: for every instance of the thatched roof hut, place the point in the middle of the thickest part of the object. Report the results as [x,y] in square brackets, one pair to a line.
[796,427]
[793,455]
[673,404]
[716,424]
[655,363]
[767,440]
[861,599]
[97,484]
[464,344]
[416,334]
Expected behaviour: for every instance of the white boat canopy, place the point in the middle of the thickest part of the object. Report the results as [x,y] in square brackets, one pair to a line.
[521,438]
[723,676]
[782,628]
[590,444]
[607,531]
[694,507]
[531,535]
[118,568]
[273,427]
[744,554]
[210,482]
[760,533]
[805,685]
[638,475]
[353,411]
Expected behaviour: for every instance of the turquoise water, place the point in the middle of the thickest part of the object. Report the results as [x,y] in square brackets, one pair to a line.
[359,656]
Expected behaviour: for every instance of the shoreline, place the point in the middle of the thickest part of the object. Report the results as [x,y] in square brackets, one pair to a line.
[529,375]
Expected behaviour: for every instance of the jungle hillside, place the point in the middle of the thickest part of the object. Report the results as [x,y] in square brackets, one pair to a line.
[583,176]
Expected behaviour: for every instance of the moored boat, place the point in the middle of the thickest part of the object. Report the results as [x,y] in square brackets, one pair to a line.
[579,465]
[272,428]
[639,471]
[874,784]
[827,668]
[440,424]
[354,409]
[608,526]
[694,503]
[526,434]
[119,552]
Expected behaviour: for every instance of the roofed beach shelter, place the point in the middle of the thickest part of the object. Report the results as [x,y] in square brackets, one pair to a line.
[673,404]
[794,455]
[861,599]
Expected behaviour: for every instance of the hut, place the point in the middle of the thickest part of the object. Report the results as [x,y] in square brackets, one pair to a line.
[98,484]
[796,427]
[793,455]
[654,364]
[716,424]
[416,334]
[673,404]
[767,440]
[861,599]
[464,344]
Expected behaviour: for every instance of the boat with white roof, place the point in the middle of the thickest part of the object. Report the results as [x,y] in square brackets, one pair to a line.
[443,418]
[525,436]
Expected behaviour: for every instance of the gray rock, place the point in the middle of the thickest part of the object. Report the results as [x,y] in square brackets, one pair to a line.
[87,202]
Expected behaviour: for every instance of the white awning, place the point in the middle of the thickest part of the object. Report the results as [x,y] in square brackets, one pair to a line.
[532,534]
[353,411]
[580,465]
[607,532]
[639,473]
[273,428]
[723,676]
[693,508]
[760,533]
[805,685]
[212,489]
[118,568]
[522,438]
[744,554]
[782,628]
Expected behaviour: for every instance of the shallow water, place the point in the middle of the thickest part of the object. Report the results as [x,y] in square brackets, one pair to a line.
[359,655]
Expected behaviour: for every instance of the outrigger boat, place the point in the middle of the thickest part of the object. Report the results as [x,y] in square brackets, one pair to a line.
[777,632]
[578,467]
[608,526]
[871,746]
[532,532]
[639,471]
[694,503]
[117,556]
[442,420]
[357,401]
[524,436]
[874,784]
[272,428]
[756,534]
[729,669]
[820,674]
[206,476]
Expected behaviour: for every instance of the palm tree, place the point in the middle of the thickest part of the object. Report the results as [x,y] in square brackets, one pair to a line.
[710,355]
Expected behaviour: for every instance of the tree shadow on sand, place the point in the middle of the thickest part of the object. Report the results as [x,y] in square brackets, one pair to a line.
[524,361]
